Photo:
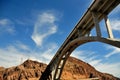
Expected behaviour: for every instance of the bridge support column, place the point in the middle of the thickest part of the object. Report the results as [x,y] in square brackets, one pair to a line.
[96,22]
[108,26]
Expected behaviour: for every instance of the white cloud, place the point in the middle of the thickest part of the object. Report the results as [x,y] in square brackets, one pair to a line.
[21,46]
[94,62]
[6,26]
[115,24]
[87,56]
[84,55]
[99,63]
[4,21]
[48,53]
[18,52]
[14,54]
[114,51]
[11,56]
[44,27]
[78,54]
[115,18]
[112,68]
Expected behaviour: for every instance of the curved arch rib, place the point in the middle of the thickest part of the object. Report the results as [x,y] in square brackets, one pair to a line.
[73,45]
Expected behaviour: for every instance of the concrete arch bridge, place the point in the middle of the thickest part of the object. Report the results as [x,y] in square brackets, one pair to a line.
[97,11]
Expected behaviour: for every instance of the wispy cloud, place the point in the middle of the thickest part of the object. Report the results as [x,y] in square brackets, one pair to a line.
[78,54]
[15,54]
[84,55]
[6,26]
[114,51]
[92,58]
[87,56]
[112,68]
[19,45]
[115,19]
[44,27]
[115,24]
[11,56]
[48,53]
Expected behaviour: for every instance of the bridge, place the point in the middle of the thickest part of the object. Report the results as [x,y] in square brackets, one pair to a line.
[97,11]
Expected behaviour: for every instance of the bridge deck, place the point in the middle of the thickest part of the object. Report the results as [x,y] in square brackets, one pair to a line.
[98,10]
[86,24]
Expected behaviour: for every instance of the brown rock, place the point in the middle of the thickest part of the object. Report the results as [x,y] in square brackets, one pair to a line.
[74,69]
[29,70]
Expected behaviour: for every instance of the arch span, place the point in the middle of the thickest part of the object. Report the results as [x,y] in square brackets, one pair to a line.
[71,46]
[95,13]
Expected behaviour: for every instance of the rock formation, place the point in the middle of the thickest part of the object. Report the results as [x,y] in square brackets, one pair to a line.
[29,70]
[77,70]
[74,69]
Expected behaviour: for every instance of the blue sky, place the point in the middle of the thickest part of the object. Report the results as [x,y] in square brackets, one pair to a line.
[35,29]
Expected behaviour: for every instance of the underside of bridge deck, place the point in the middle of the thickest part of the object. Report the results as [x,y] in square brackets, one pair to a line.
[98,11]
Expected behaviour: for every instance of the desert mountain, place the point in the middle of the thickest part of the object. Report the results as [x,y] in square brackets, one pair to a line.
[74,70]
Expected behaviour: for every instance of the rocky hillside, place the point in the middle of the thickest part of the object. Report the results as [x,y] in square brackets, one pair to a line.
[29,70]
[74,69]
[77,70]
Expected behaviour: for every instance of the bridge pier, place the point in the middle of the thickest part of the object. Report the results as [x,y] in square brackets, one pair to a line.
[81,35]
[97,26]
[96,22]
[108,26]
